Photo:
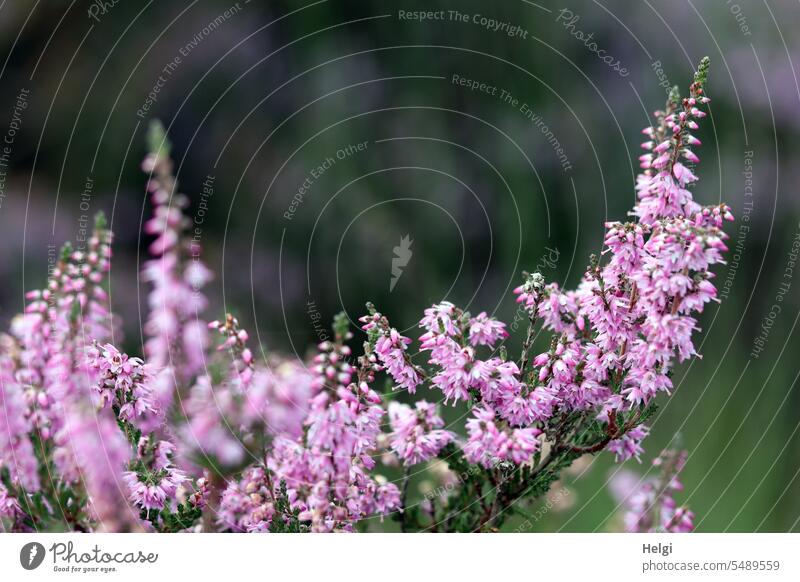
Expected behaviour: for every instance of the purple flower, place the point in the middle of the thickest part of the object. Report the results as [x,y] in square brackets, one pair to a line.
[530,293]
[417,433]
[156,480]
[391,350]
[651,506]
[441,318]
[490,442]
[485,330]
[124,383]
[16,448]
[91,450]
[630,444]
[9,507]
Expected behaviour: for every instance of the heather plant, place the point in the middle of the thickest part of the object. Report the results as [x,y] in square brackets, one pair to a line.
[651,507]
[200,435]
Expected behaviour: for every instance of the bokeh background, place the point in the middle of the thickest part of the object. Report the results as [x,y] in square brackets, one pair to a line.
[364,109]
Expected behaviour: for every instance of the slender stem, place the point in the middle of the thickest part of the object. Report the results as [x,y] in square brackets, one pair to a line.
[523,359]
[403,499]
[215,485]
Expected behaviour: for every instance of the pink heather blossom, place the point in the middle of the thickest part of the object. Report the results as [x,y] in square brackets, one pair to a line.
[330,366]
[326,474]
[391,348]
[248,505]
[176,334]
[441,318]
[630,444]
[287,388]
[236,344]
[124,383]
[47,340]
[9,507]
[490,443]
[331,489]
[651,505]
[155,480]
[91,450]
[485,330]
[417,433]
[458,371]
[682,173]
[558,310]
[16,448]
[346,422]
[208,432]
[530,293]
[522,445]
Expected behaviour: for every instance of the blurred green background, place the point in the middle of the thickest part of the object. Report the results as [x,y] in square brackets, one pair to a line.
[517,170]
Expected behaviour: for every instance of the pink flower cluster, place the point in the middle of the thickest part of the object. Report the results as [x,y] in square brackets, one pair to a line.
[324,462]
[44,352]
[652,506]
[417,433]
[16,425]
[123,383]
[156,480]
[176,334]
[92,452]
[209,439]
[452,338]
[45,396]
[391,348]
[614,339]
[9,507]
[492,441]
[236,343]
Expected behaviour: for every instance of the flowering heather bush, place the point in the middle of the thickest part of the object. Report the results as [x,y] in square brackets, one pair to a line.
[200,436]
